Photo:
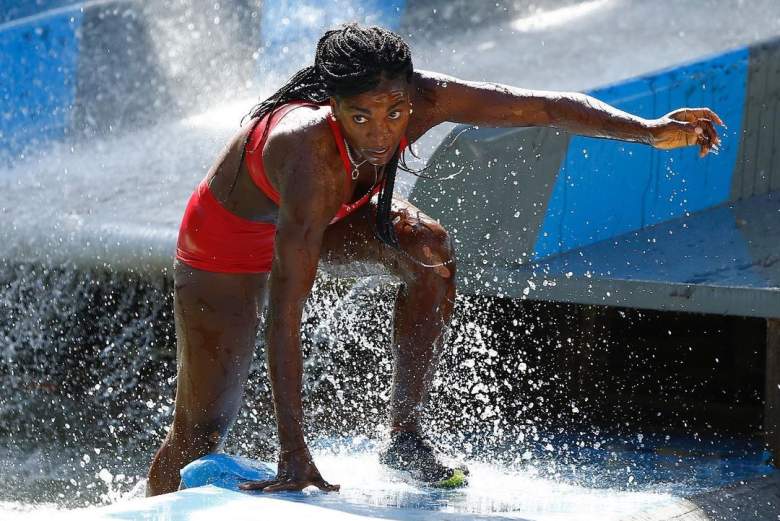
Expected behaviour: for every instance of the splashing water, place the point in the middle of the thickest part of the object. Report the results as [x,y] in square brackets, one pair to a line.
[88,358]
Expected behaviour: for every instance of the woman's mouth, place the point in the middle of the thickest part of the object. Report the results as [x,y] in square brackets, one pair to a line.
[376,155]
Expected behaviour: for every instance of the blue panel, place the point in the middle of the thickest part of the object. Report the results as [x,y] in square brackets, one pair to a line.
[38,65]
[15,9]
[290,28]
[607,188]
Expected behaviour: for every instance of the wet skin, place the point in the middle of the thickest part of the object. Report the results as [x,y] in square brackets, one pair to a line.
[217,315]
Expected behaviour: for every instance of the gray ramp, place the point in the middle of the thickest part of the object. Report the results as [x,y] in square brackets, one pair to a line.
[495,199]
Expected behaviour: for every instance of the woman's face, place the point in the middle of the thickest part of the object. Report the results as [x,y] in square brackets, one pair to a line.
[374,122]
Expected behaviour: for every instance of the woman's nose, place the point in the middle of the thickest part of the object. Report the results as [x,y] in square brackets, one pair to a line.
[380,135]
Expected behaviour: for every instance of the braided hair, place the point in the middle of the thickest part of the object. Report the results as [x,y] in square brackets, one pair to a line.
[350,60]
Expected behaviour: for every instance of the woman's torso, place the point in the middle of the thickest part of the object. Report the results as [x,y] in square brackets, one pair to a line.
[246,188]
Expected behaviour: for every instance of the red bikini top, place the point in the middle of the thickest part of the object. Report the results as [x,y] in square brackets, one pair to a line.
[254,157]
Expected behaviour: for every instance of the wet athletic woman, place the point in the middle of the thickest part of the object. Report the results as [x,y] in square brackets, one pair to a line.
[292,189]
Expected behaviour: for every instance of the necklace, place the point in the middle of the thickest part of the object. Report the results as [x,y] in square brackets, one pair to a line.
[355,165]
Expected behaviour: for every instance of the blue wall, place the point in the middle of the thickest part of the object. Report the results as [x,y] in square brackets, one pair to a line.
[16,9]
[607,188]
[38,65]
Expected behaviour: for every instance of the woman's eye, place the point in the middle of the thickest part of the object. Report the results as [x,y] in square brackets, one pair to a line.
[359,119]
[394,114]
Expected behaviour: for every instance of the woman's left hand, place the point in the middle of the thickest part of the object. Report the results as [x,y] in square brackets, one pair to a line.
[687,127]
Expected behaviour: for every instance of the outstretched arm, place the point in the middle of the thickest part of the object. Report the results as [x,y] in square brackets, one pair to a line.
[496,105]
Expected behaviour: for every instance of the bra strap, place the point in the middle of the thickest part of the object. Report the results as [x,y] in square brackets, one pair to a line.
[271,119]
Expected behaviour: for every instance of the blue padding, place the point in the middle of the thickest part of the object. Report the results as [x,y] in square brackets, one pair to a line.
[607,188]
[224,471]
[38,65]
[290,28]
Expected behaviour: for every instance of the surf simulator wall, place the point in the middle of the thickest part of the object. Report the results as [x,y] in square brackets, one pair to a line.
[74,69]
[541,214]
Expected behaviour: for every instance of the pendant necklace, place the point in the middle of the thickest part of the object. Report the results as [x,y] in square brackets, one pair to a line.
[356,165]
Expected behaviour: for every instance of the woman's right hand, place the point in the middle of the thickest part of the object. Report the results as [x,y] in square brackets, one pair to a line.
[687,127]
[295,471]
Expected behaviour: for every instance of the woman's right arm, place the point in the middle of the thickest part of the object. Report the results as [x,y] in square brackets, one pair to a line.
[295,265]
[307,206]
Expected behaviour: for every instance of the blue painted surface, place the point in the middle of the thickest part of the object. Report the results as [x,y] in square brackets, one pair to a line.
[38,65]
[607,188]
[16,9]
[289,26]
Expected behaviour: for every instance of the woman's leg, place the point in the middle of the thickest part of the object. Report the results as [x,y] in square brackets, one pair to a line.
[216,317]
[425,300]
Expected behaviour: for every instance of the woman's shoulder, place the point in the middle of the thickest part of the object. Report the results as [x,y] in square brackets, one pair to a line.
[300,123]
[429,83]
[302,139]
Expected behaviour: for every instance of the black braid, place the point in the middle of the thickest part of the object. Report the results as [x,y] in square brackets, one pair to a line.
[384,227]
[350,60]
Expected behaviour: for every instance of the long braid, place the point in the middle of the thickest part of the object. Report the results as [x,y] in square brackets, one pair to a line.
[384,227]
[349,61]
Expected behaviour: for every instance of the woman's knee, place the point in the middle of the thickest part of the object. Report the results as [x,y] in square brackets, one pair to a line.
[429,247]
[200,437]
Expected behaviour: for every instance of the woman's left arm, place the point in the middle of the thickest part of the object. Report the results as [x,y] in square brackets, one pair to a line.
[496,105]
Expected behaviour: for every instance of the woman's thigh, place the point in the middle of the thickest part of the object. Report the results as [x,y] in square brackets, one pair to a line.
[216,316]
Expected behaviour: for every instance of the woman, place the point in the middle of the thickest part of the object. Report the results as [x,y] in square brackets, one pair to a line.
[295,187]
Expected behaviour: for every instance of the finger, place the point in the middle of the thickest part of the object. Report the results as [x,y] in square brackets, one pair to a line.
[714,137]
[692,115]
[709,114]
[704,145]
[286,486]
[327,487]
[704,124]
[256,485]
[696,137]
[706,133]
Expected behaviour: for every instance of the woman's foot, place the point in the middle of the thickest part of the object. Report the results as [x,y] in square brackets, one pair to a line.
[410,452]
